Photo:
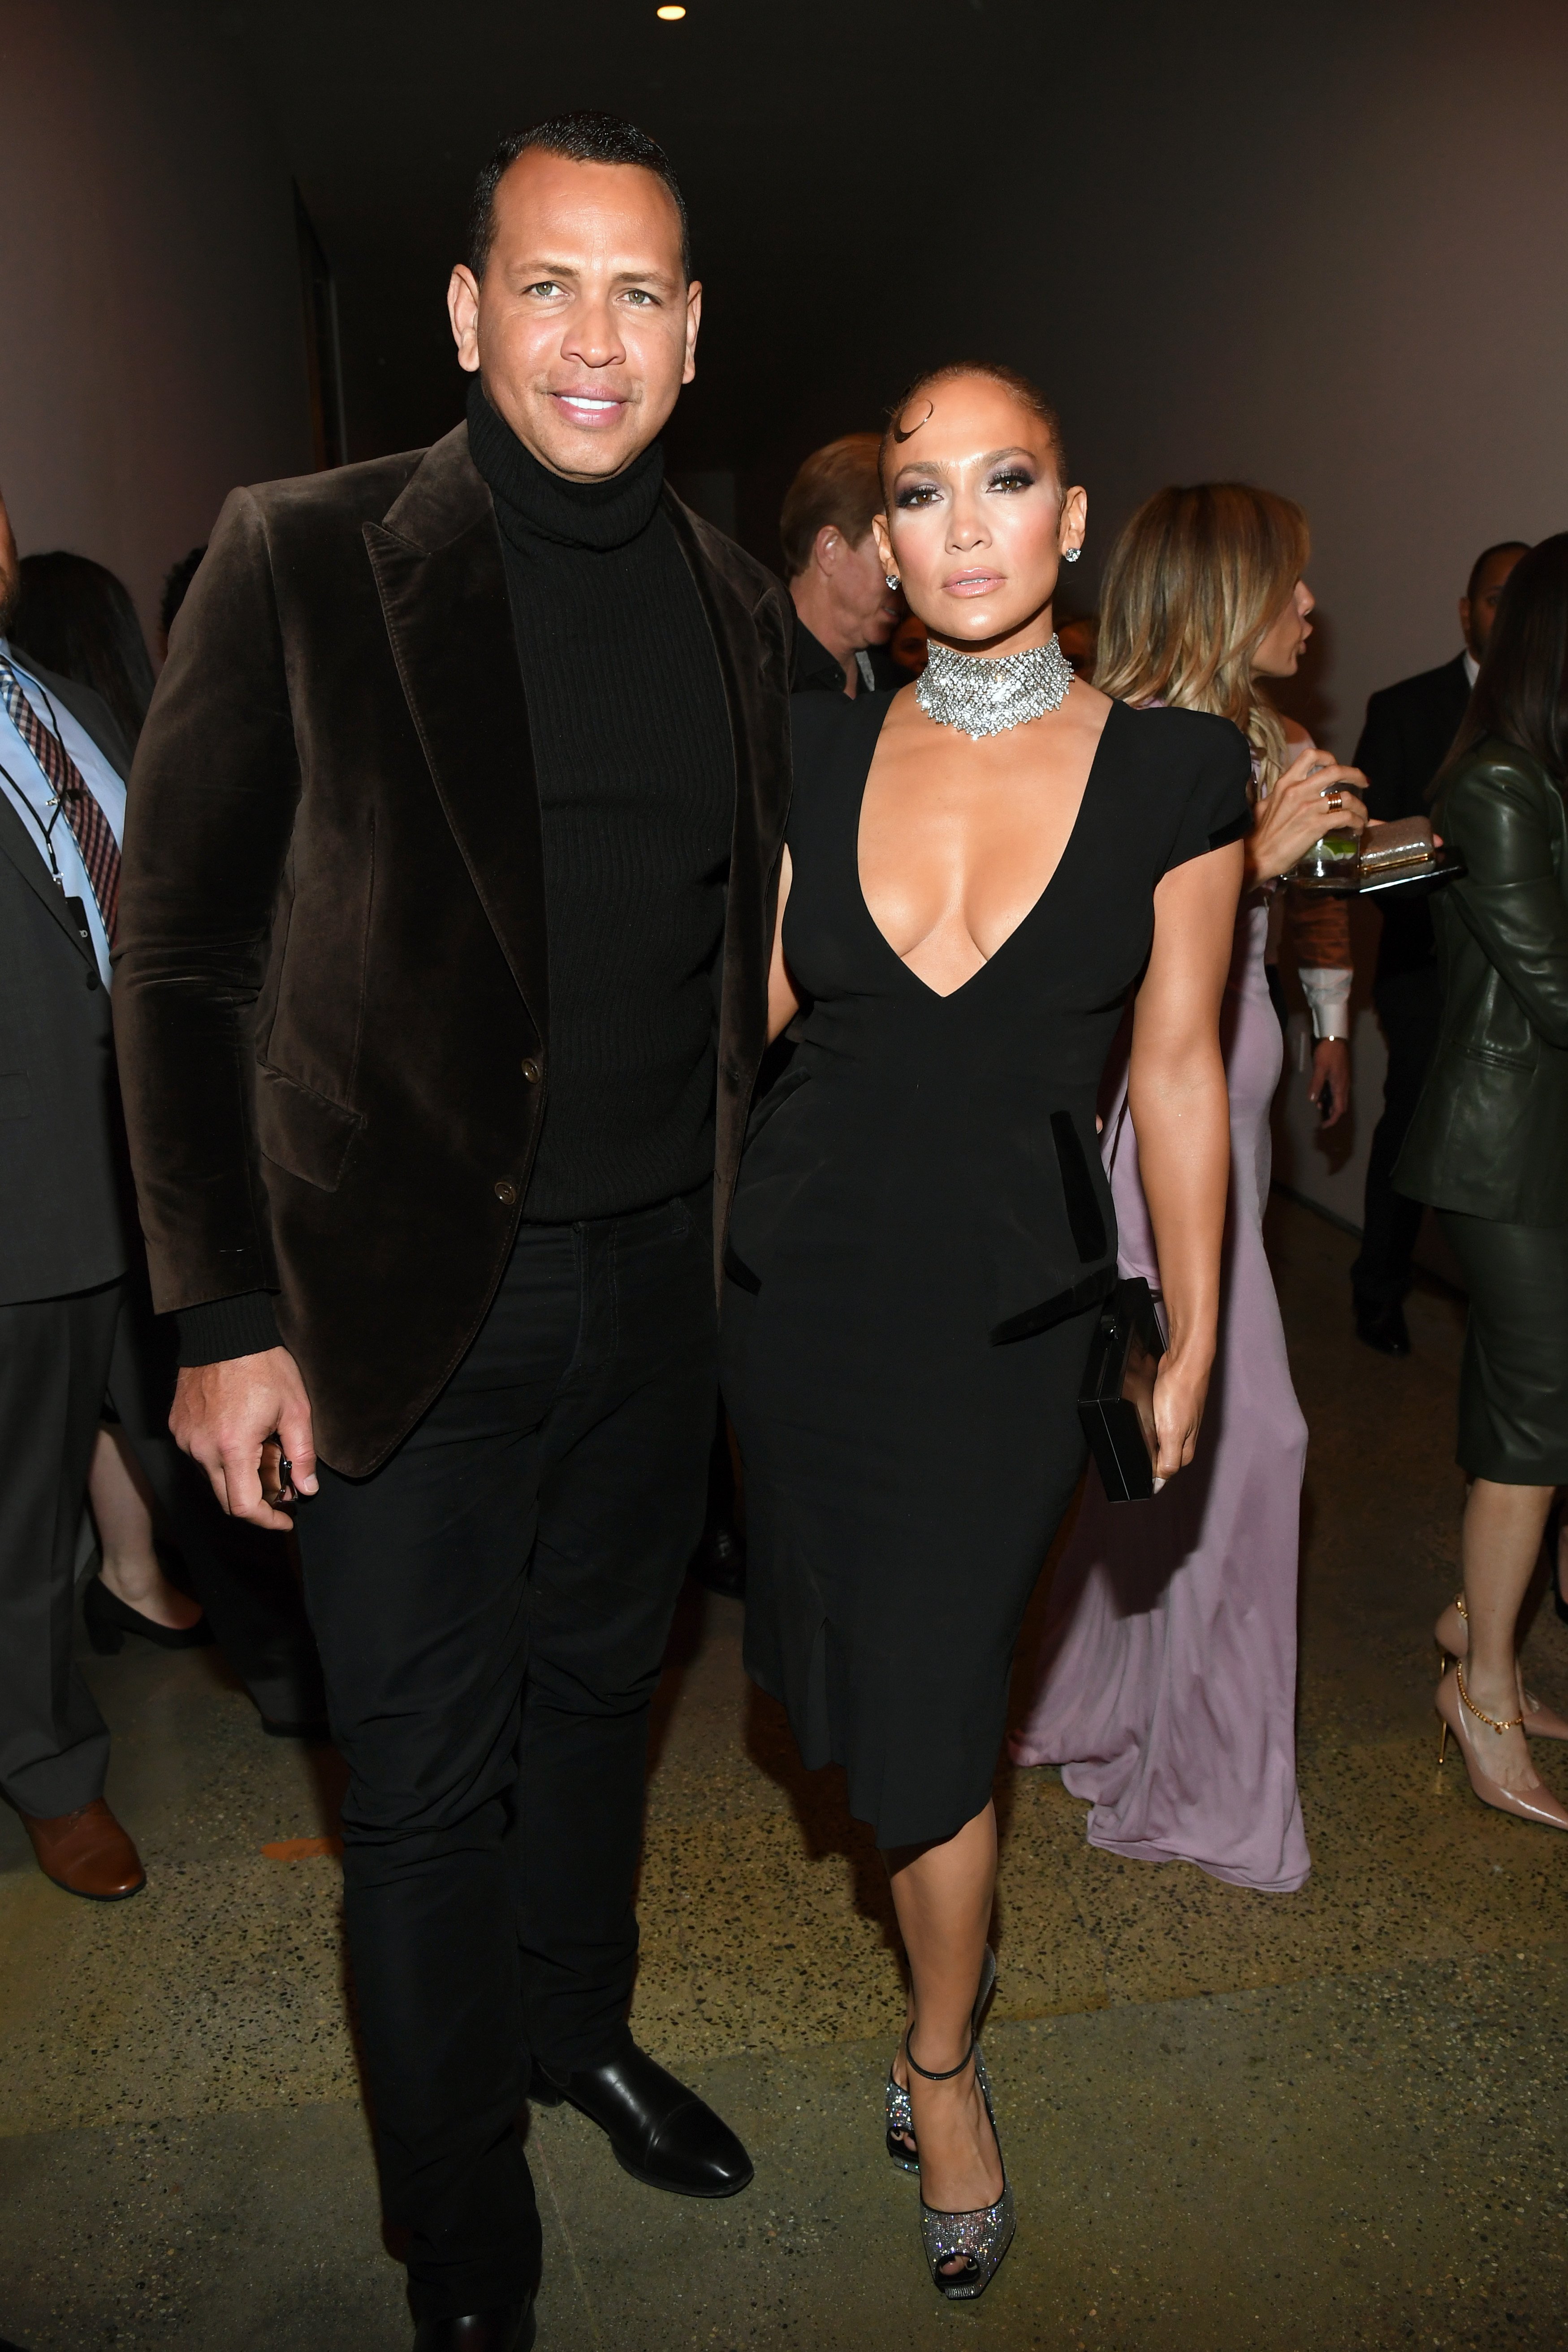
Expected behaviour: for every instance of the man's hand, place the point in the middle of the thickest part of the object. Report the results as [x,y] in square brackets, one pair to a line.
[224,1413]
[1330,1084]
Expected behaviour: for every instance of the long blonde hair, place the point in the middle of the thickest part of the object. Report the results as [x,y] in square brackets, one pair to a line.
[1193,585]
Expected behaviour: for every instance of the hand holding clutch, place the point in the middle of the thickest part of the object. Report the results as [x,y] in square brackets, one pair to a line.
[1140,1406]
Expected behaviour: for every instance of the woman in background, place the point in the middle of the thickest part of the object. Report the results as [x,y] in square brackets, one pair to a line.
[1167,1684]
[1488,1148]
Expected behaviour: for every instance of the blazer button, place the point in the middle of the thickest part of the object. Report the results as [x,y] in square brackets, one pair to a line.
[531,1071]
[506,1192]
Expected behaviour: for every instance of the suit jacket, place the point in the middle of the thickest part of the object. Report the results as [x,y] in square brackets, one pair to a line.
[1409,732]
[61,1218]
[1490,1132]
[330,997]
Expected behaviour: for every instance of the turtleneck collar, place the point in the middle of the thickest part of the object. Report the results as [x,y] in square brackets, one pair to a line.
[533,503]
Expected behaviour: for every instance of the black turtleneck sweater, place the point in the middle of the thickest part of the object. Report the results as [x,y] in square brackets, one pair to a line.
[637,794]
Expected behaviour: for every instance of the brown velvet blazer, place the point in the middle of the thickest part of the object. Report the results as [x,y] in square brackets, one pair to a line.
[331,1003]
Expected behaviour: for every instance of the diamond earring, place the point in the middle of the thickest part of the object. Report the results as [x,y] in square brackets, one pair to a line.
[892,579]
[1072,554]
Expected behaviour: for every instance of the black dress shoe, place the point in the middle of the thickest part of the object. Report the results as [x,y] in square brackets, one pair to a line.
[1382,1328]
[509,2330]
[659,2132]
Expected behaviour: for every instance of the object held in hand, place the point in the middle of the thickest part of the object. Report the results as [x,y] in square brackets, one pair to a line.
[277,1474]
[1116,1402]
[1401,856]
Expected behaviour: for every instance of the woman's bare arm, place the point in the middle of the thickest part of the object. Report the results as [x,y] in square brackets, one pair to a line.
[1180,1115]
[783,1001]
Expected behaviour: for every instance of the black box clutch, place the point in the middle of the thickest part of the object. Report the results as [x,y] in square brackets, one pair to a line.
[1116,1403]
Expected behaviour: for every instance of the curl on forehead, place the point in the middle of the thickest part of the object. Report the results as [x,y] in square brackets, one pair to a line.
[917,406]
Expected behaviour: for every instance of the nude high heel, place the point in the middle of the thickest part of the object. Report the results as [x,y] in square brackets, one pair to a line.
[1455,1710]
[900,2114]
[1540,1722]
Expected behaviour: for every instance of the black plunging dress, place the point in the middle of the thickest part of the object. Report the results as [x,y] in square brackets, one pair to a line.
[921,1229]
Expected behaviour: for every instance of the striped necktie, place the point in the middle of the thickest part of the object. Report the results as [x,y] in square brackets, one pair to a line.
[94,834]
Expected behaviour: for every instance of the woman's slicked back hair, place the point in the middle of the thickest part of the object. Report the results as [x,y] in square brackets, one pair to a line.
[1022,388]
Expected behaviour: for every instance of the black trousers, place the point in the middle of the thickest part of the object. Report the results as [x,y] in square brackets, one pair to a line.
[1410,1008]
[492,1608]
[54,1365]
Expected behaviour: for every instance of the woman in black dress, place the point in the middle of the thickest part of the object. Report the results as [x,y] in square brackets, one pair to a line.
[979,871]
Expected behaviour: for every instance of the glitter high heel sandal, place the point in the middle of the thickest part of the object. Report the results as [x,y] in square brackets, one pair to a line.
[900,2114]
[977,2239]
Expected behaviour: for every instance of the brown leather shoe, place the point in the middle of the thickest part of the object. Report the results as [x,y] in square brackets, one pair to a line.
[87,1853]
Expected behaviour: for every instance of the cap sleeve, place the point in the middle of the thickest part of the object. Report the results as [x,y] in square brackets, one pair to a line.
[1219,808]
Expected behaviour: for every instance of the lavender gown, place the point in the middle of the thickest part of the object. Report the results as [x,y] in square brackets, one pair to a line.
[1167,1676]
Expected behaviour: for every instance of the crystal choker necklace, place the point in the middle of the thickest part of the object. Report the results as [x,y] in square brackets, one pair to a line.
[984,696]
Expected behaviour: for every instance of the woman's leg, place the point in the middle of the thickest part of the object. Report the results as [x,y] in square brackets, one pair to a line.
[943,1895]
[131,1571]
[1500,1547]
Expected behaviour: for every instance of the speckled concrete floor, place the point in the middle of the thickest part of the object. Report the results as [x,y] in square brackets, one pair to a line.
[1322,2120]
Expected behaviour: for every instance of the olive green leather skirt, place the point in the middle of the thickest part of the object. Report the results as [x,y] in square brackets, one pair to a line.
[1514,1389]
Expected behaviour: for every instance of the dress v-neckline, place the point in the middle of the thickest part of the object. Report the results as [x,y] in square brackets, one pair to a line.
[947,996]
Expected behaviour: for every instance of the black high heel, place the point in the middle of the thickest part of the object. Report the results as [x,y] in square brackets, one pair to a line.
[108,1620]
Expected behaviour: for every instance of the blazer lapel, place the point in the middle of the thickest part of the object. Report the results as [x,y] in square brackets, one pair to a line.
[437,556]
[16,843]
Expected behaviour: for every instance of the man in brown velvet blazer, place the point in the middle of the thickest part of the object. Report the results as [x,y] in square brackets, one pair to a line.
[447,909]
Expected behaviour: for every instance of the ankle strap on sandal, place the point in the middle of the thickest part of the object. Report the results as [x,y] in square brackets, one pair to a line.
[924,2072]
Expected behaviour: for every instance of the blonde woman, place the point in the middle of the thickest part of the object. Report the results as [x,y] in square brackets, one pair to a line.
[1167,1679]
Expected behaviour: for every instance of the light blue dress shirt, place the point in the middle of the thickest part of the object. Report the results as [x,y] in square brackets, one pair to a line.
[27,788]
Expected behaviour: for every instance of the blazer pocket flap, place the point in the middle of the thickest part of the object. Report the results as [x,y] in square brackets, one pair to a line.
[300,1130]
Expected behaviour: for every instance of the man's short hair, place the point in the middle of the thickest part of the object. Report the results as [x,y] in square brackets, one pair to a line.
[1503,547]
[840,486]
[582,137]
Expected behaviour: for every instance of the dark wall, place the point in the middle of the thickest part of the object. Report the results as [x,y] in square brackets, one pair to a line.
[152,354]
[1324,249]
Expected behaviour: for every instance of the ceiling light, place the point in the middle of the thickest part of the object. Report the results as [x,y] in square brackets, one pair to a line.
[670,15]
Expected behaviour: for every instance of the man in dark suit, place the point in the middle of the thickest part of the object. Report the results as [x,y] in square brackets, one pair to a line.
[843,607]
[76,1324]
[63,1243]
[448,907]
[1408,731]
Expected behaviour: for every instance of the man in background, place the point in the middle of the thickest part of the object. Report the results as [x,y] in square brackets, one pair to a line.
[1408,731]
[77,1332]
[63,1243]
[846,609]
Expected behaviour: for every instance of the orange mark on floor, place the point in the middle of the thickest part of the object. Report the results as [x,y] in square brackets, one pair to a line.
[301,1849]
